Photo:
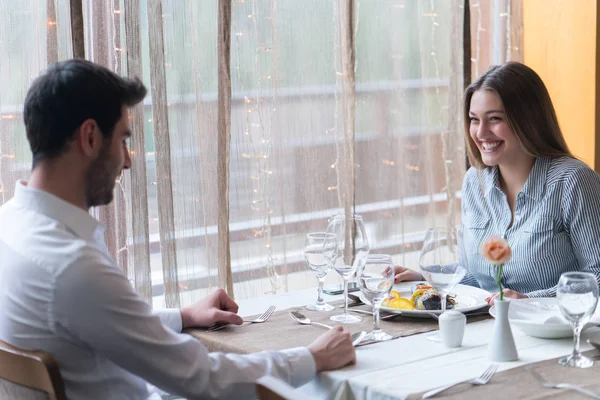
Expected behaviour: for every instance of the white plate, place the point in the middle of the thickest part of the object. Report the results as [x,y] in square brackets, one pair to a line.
[468,298]
[540,318]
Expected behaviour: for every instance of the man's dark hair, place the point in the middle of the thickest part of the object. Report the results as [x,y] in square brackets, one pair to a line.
[67,94]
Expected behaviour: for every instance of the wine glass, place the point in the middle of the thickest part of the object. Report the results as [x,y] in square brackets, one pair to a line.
[319,250]
[375,279]
[440,262]
[577,297]
[352,252]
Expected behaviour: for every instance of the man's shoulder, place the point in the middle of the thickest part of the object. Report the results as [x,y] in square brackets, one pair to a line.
[43,241]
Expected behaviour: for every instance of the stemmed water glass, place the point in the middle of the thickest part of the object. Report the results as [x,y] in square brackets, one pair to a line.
[440,262]
[352,252]
[375,280]
[577,297]
[319,250]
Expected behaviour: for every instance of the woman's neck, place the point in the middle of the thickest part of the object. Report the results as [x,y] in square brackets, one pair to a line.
[513,176]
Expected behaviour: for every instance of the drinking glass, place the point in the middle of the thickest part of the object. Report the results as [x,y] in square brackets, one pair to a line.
[440,263]
[577,297]
[375,279]
[319,250]
[352,252]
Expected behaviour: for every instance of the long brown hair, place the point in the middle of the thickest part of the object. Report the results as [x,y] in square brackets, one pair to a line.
[528,109]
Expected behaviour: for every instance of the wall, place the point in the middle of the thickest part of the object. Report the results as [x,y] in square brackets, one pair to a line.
[560,44]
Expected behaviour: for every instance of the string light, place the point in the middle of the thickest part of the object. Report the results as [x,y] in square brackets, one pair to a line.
[477,39]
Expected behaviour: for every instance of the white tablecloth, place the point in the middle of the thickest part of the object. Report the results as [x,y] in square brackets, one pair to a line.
[396,368]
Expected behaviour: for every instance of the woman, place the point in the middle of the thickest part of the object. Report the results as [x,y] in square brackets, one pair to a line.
[524,185]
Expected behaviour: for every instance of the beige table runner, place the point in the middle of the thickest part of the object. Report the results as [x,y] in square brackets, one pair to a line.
[518,383]
[281,332]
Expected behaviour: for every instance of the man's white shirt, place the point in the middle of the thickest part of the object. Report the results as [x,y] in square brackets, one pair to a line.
[62,293]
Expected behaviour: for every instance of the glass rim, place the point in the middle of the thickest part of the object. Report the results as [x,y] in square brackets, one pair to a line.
[321,235]
[578,275]
[378,257]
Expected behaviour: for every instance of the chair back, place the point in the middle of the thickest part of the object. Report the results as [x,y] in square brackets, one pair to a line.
[270,388]
[29,375]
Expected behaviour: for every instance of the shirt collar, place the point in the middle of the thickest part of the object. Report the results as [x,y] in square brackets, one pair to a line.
[534,186]
[490,179]
[74,218]
[536,182]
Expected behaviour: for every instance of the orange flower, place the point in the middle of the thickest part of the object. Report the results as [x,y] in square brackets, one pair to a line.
[496,250]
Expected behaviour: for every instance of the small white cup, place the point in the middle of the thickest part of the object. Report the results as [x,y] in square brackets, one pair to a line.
[452,328]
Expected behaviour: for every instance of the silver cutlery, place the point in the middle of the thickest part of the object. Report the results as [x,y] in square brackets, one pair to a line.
[303,319]
[570,386]
[260,319]
[357,337]
[383,317]
[481,380]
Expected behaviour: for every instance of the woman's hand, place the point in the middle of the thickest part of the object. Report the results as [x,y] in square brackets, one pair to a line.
[511,294]
[402,274]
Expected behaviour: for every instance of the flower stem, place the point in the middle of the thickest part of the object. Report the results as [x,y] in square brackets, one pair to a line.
[499,280]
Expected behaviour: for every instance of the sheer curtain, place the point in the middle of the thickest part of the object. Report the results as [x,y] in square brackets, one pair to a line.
[265,118]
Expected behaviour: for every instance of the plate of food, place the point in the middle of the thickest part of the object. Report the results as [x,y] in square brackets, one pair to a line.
[418,299]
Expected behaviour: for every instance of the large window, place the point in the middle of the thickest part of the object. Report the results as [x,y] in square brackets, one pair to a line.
[297,114]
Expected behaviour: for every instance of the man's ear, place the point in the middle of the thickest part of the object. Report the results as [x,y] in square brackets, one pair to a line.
[89,138]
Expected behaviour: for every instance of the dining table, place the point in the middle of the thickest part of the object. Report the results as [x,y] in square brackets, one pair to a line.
[411,364]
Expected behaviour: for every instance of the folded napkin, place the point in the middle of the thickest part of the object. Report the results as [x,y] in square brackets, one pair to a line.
[542,312]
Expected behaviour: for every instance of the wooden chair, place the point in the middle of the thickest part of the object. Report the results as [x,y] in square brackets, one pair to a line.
[29,375]
[270,388]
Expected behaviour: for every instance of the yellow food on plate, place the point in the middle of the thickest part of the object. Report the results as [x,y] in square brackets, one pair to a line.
[401,303]
[394,293]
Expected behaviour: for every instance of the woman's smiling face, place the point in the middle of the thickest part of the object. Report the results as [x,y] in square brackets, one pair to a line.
[490,130]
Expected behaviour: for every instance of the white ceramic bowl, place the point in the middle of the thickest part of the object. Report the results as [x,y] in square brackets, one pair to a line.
[540,318]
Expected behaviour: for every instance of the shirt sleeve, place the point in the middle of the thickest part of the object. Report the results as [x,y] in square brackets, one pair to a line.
[112,319]
[469,279]
[581,216]
[171,318]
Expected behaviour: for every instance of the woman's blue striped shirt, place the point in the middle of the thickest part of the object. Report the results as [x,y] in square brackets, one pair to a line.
[556,225]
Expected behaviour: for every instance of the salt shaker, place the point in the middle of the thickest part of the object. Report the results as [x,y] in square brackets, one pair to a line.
[452,328]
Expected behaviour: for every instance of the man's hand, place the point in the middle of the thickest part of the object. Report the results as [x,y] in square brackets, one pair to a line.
[511,294]
[217,307]
[405,274]
[333,350]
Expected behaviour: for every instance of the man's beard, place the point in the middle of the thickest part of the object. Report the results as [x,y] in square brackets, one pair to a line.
[100,179]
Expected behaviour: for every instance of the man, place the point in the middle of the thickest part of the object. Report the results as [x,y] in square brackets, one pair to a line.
[61,291]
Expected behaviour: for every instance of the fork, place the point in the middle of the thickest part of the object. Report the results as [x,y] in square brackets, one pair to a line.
[481,380]
[261,318]
[549,385]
